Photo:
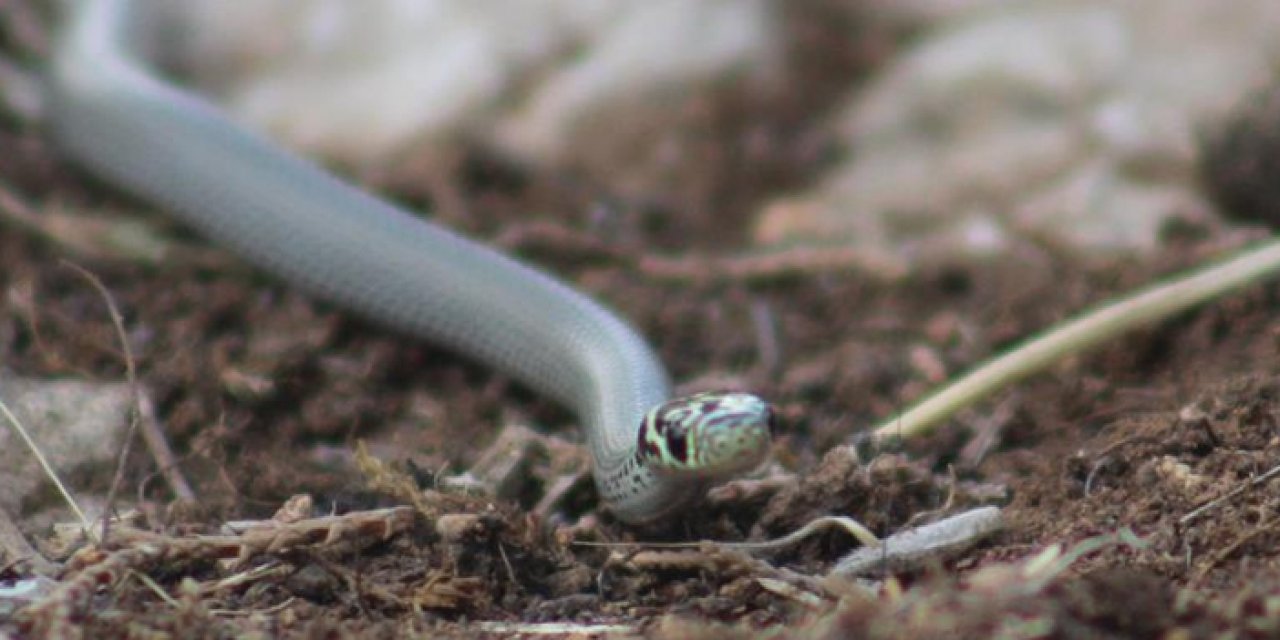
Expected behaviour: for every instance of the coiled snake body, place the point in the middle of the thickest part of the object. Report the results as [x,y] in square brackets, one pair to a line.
[652,455]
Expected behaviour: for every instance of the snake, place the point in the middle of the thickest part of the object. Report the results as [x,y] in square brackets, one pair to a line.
[112,112]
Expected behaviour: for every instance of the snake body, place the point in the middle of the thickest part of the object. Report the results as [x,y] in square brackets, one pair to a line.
[111,113]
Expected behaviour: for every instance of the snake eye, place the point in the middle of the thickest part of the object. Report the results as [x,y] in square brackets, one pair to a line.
[678,443]
[663,438]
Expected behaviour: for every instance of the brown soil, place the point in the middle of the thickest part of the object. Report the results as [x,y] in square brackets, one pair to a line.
[264,395]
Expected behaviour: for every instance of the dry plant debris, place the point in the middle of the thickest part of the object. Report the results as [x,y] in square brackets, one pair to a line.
[261,394]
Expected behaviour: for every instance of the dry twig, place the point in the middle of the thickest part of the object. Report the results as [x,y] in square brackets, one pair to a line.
[1146,306]
[1218,502]
[135,391]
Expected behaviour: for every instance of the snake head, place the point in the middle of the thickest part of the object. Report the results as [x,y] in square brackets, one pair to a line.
[708,435]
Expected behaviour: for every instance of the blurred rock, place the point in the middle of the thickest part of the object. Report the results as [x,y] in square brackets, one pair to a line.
[360,82]
[1068,121]
[78,426]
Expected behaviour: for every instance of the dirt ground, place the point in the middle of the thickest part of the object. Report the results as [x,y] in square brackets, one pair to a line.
[264,395]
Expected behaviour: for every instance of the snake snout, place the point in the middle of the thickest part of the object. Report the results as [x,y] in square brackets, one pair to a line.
[736,442]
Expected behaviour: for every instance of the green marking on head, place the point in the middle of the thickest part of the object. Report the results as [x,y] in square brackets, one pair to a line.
[707,434]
